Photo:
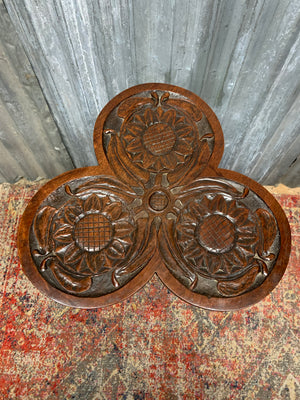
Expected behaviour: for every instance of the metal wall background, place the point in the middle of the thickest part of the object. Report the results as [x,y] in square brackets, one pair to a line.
[30,143]
[241,56]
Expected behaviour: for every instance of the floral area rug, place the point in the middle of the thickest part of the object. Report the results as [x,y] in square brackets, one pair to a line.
[152,346]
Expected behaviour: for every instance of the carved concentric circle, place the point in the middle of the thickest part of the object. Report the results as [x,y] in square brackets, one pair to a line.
[216,233]
[158,201]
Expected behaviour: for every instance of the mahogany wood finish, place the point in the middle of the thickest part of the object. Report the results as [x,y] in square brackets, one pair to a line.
[156,203]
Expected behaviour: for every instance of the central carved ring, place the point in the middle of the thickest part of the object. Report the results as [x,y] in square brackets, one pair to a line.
[159,139]
[217,234]
[93,232]
[158,201]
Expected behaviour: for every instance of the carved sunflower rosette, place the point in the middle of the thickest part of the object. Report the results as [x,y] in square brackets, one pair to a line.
[157,133]
[83,238]
[218,239]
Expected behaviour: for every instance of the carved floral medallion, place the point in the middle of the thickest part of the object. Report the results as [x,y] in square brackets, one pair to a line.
[218,235]
[157,139]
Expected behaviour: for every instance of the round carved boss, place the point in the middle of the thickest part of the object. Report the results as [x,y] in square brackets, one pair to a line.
[157,203]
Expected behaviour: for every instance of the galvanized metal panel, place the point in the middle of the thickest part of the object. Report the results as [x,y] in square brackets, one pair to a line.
[30,143]
[241,57]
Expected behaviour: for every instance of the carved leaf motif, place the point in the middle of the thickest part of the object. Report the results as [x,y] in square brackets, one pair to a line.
[41,225]
[124,168]
[240,285]
[71,283]
[142,254]
[193,168]
[189,108]
[207,136]
[131,104]
[269,228]
[171,255]
[202,185]
[106,184]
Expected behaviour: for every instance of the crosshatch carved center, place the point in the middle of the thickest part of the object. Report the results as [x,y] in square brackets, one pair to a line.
[93,232]
[159,139]
[216,234]
[158,201]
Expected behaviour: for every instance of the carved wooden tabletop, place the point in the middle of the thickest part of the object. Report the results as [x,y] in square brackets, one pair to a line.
[157,203]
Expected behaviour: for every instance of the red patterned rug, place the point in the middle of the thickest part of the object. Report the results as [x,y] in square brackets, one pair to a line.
[152,346]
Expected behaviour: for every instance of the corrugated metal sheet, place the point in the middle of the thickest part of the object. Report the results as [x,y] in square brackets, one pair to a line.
[241,57]
[30,143]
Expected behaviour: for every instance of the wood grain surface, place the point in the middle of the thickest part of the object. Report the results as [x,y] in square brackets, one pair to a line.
[157,203]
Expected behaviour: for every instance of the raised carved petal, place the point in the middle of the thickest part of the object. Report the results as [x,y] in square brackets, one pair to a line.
[240,215]
[214,263]
[247,229]
[240,256]
[147,160]
[171,160]
[64,234]
[73,211]
[96,263]
[94,202]
[82,267]
[186,229]
[135,130]
[183,148]
[113,210]
[247,240]
[73,254]
[149,117]
[135,146]
[200,210]
[169,117]
[184,131]
[116,249]
[122,229]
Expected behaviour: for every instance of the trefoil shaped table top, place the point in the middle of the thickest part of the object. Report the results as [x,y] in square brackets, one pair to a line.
[156,203]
